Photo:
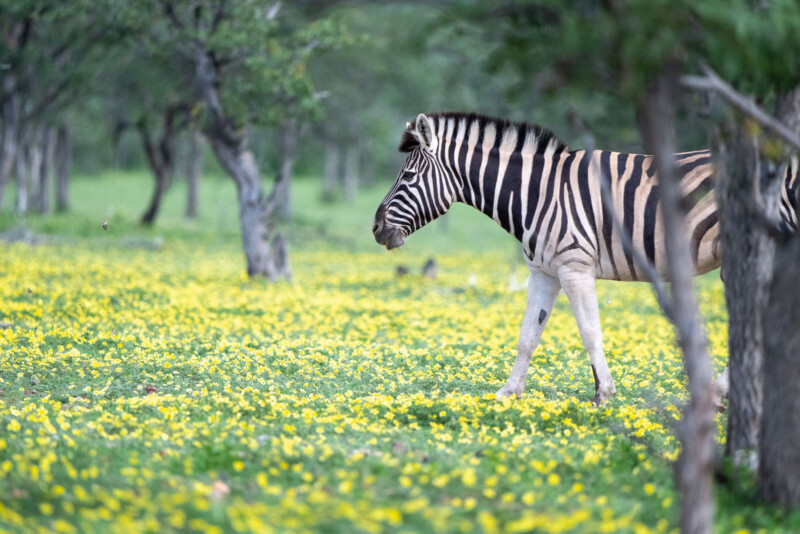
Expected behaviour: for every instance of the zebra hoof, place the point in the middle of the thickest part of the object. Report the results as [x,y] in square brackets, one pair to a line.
[601,397]
[506,393]
[598,401]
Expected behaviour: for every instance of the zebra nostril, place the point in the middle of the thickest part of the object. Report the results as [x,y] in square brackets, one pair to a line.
[376,228]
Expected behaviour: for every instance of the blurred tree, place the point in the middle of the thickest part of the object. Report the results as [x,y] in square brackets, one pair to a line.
[152,96]
[194,171]
[62,157]
[51,52]
[249,64]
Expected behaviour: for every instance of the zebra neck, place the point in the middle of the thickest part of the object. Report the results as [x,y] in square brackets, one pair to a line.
[498,184]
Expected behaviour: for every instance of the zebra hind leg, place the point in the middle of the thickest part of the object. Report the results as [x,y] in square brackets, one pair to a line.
[542,292]
[579,285]
[721,386]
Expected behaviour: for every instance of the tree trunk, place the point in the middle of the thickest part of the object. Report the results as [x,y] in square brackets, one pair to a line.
[35,158]
[254,213]
[21,171]
[194,172]
[779,465]
[779,454]
[749,193]
[746,270]
[228,141]
[289,134]
[331,179]
[8,151]
[351,161]
[63,156]
[160,160]
[46,168]
[117,131]
[153,208]
[696,430]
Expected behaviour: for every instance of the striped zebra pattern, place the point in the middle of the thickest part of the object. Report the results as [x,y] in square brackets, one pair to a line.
[548,197]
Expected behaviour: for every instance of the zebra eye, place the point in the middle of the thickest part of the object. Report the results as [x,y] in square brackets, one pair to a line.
[408,174]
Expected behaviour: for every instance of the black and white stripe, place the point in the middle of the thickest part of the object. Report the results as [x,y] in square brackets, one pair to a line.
[548,197]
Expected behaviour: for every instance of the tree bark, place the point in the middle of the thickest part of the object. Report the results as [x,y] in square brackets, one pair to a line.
[8,151]
[262,258]
[63,157]
[779,454]
[265,253]
[696,430]
[117,131]
[746,270]
[35,158]
[46,171]
[779,465]
[194,172]
[748,195]
[21,171]
[153,208]
[161,161]
[331,179]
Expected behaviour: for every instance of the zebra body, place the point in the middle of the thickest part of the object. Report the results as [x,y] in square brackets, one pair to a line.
[549,198]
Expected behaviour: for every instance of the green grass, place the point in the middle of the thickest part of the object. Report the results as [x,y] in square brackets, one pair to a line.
[121,197]
[159,390]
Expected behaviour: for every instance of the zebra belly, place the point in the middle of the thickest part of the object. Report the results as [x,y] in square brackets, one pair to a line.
[704,248]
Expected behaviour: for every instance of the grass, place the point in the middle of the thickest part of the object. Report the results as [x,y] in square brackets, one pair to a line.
[157,389]
[121,197]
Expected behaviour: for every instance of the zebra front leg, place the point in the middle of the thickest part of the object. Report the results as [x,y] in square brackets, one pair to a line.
[579,285]
[721,386]
[542,292]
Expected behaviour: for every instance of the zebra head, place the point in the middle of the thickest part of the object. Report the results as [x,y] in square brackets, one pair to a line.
[421,192]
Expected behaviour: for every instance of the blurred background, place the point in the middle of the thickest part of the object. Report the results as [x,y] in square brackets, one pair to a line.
[140,113]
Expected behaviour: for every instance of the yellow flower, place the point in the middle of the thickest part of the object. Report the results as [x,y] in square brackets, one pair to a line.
[468,477]
[346,486]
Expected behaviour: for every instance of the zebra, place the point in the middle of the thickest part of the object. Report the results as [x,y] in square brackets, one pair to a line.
[549,198]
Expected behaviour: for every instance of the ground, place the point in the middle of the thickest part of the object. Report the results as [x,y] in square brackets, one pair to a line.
[147,386]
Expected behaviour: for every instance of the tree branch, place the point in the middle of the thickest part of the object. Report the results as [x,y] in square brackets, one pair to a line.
[219,16]
[169,11]
[273,10]
[659,288]
[712,82]
[207,78]
[147,144]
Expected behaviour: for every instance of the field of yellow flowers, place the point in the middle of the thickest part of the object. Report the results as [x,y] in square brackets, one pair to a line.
[161,391]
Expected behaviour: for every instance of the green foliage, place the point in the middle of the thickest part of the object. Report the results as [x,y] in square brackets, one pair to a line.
[261,51]
[51,52]
[624,44]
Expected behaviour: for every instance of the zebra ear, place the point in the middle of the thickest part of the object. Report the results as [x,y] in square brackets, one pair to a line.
[423,130]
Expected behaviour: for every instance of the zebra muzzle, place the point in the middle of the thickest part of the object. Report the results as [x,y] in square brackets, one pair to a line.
[390,236]
[386,234]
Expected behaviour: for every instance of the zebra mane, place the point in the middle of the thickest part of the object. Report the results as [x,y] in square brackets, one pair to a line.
[543,136]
